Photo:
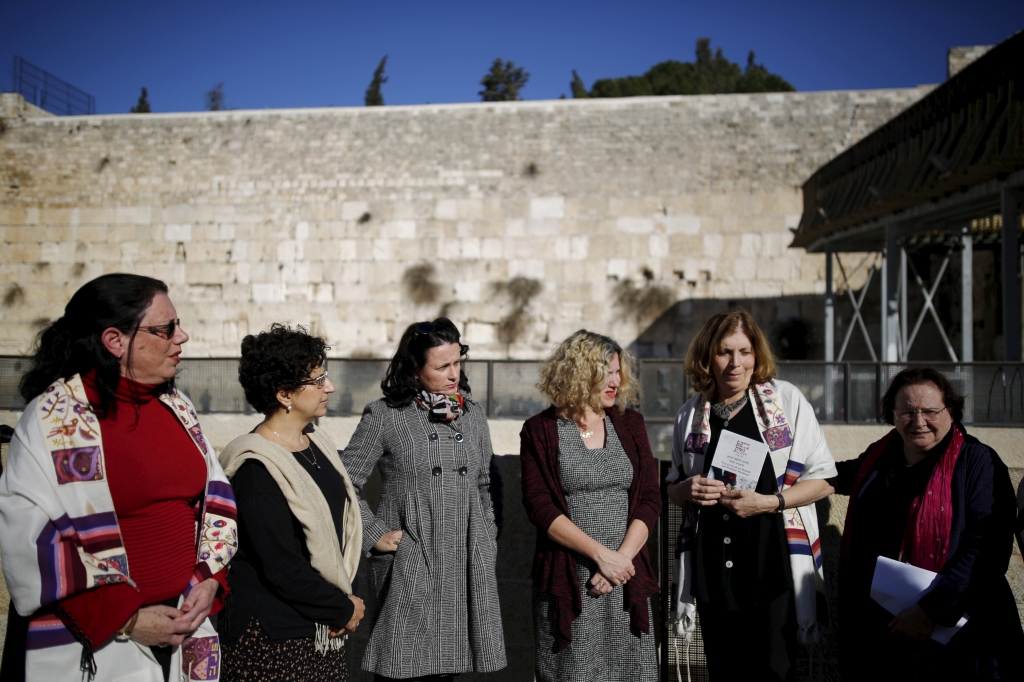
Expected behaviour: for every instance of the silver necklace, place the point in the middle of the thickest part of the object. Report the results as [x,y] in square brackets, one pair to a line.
[300,452]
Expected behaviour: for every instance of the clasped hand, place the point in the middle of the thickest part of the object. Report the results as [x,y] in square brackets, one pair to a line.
[613,568]
[707,492]
[160,625]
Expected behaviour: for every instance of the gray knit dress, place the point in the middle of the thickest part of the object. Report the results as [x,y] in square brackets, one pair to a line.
[596,485]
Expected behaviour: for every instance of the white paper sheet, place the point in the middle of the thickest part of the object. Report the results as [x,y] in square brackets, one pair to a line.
[897,586]
[740,456]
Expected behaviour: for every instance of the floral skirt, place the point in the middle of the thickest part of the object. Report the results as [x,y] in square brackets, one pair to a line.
[257,657]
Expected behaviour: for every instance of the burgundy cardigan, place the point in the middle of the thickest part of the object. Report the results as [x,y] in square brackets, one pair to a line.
[554,568]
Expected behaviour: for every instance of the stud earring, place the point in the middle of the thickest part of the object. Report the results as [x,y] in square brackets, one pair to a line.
[288,409]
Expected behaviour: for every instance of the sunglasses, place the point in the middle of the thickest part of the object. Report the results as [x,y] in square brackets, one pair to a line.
[319,381]
[164,331]
[426,328]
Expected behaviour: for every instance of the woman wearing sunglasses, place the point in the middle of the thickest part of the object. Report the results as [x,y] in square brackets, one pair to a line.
[432,539]
[299,530]
[107,479]
[933,496]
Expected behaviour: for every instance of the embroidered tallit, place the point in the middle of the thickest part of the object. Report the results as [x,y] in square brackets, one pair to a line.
[310,507]
[798,451]
[59,535]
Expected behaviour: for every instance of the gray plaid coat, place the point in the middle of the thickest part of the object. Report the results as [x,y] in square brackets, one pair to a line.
[438,594]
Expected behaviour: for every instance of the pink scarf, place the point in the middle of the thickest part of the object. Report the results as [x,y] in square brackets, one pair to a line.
[926,538]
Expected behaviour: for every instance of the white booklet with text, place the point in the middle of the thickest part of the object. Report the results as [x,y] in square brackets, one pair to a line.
[738,460]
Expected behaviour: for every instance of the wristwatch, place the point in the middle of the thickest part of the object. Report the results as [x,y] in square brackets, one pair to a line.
[125,633]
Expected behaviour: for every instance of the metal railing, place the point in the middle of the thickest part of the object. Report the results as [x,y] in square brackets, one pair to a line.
[839,392]
[48,92]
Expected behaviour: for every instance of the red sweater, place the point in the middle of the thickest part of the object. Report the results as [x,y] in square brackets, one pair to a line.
[156,477]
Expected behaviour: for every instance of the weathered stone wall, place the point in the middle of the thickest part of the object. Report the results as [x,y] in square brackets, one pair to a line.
[619,208]
[959,58]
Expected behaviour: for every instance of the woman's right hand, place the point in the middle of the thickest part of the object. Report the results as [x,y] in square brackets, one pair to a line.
[357,614]
[698,490]
[389,541]
[615,566]
[157,626]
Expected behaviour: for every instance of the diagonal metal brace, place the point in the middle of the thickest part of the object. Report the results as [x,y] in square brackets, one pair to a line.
[929,307]
[857,319]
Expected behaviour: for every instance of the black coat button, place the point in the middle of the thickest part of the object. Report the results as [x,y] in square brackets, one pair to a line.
[436,471]
[433,436]
[458,437]
[463,471]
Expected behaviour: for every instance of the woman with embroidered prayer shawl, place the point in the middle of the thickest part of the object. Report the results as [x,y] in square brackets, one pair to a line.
[116,520]
[933,496]
[432,541]
[291,605]
[750,558]
[590,485]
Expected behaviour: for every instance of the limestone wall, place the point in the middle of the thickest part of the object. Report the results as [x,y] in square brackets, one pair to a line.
[623,210]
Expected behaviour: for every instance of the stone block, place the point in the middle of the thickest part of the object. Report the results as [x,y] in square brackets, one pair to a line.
[547,207]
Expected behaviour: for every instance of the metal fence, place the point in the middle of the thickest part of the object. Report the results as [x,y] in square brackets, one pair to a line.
[48,92]
[839,392]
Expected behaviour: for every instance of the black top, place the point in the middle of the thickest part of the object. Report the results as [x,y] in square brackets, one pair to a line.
[270,575]
[883,505]
[739,563]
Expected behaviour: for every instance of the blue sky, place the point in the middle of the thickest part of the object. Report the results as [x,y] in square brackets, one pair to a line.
[308,54]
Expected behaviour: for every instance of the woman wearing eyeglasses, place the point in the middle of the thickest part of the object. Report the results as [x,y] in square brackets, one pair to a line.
[432,538]
[299,531]
[116,520]
[930,495]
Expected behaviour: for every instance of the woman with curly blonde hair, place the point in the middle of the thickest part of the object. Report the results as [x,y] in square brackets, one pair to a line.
[590,485]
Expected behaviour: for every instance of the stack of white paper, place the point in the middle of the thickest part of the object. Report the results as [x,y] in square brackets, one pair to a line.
[897,586]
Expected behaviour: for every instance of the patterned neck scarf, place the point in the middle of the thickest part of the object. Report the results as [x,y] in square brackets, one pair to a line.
[443,408]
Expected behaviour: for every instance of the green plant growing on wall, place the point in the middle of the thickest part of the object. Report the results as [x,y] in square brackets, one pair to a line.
[522,290]
[15,295]
[142,107]
[419,284]
[645,302]
[503,82]
[373,97]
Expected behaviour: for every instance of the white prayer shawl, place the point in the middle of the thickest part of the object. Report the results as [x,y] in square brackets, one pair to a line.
[59,536]
[798,451]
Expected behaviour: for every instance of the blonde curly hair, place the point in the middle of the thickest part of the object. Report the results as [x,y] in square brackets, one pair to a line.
[578,368]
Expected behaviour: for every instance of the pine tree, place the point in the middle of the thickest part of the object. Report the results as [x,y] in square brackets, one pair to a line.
[215,98]
[143,105]
[579,88]
[373,96]
[503,82]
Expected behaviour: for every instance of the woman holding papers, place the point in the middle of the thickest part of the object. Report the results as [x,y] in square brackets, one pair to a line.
[590,485]
[749,462]
[932,496]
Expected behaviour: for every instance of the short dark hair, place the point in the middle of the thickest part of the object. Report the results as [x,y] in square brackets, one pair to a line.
[399,385]
[73,343]
[922,375]
[279,359]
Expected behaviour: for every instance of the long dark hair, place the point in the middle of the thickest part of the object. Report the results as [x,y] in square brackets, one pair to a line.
[73,344]
[399,385]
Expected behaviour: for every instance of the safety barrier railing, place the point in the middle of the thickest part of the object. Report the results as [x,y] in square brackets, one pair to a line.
[839,392]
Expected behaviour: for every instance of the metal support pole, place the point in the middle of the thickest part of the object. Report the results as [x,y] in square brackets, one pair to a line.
[890,304]
[904,348]
[1011,277]
[966,296]
[830,310]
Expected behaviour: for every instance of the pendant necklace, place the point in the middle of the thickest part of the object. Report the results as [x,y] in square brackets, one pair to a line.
[299,452]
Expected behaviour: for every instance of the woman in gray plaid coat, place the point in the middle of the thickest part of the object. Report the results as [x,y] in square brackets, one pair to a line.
[432,541]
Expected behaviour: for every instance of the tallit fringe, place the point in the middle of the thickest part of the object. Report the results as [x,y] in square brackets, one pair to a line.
[324,643]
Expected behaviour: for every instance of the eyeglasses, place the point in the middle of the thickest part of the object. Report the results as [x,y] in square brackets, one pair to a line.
[930,414]
[164,331]
[319,381]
